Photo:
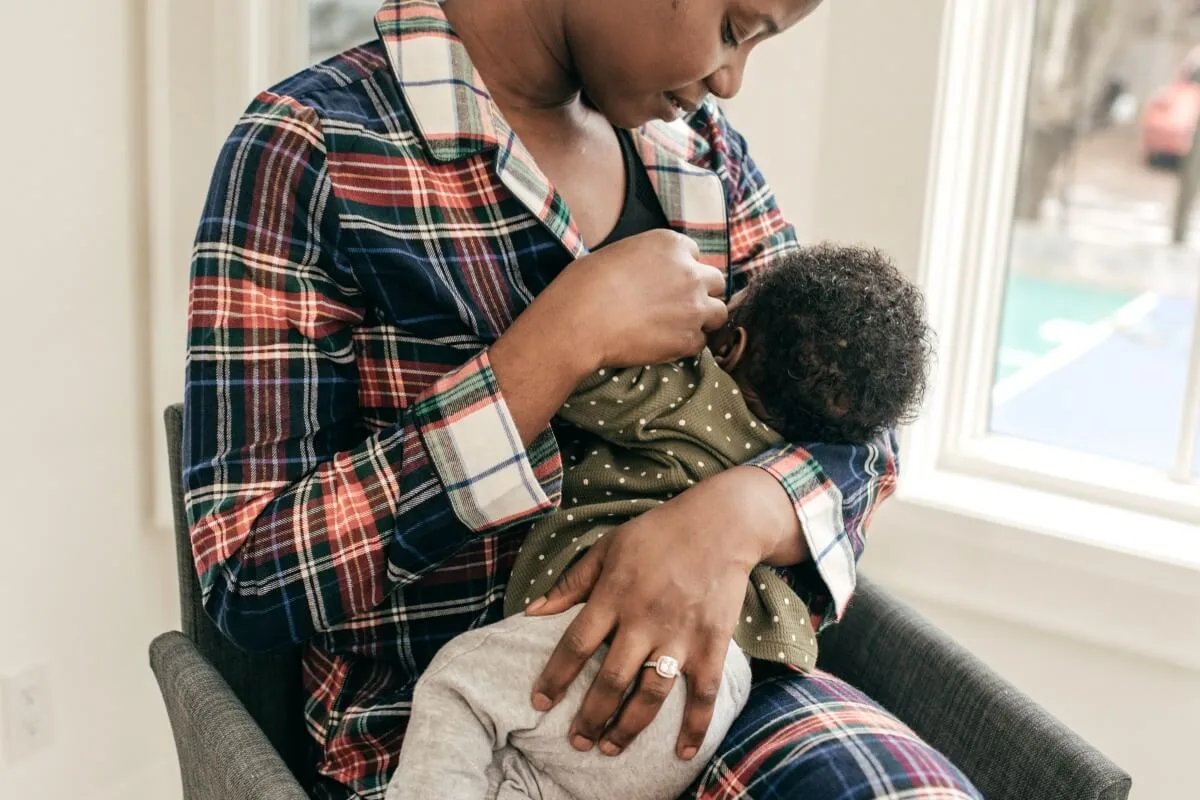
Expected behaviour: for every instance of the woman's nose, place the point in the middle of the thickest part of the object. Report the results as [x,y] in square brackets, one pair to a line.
[727,81]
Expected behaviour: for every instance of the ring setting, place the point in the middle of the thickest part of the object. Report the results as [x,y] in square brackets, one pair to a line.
[665,666]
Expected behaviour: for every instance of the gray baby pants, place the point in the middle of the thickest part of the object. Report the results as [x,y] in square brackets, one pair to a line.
[474,735]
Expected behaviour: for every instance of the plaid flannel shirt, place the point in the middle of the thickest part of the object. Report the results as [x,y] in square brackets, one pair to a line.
[354,479]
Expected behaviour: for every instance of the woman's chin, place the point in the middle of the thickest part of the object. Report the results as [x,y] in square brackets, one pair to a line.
[626,114]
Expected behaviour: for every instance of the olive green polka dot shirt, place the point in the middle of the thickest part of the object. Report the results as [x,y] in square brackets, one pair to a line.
[646,434]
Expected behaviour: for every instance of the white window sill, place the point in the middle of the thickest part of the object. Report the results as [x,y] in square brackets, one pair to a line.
[1105,575]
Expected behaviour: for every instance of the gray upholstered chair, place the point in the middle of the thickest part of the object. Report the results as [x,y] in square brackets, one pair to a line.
[239,733]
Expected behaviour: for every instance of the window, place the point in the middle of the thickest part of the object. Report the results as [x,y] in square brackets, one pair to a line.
[1072,345]
[1100,297]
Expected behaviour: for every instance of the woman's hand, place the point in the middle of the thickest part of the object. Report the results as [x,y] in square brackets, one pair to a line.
[670,582]
[644,300]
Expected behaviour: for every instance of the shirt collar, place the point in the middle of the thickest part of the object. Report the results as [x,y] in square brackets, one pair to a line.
[451,108]
[450,105]
[454,114]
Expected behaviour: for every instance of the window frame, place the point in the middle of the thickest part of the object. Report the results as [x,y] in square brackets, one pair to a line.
[978,130]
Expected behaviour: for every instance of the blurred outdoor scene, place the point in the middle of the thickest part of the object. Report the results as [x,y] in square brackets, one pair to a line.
[1100,297]
[1101,294]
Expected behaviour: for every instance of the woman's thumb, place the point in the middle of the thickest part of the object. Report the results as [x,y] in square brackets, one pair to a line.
[572,588]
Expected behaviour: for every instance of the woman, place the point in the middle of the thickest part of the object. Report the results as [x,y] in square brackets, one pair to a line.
[409,257]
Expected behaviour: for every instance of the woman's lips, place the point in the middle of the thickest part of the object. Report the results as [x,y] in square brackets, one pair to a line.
[683,106]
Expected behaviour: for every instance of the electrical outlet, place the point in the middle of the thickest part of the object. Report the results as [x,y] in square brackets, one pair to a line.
[26,712]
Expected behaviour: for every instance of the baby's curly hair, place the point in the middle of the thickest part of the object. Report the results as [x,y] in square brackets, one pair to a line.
[838,346]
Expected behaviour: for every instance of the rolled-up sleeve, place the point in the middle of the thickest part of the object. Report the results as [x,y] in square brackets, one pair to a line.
[835,489]
[491,480]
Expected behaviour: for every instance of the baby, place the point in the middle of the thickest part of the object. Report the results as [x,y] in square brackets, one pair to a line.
[830,344]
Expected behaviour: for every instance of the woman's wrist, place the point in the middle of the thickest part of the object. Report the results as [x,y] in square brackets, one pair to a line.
[761,510]
[538,362]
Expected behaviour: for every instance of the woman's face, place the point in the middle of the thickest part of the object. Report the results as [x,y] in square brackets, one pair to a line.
[640,60]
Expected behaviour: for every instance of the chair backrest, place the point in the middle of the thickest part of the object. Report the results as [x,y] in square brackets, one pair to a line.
[268,684]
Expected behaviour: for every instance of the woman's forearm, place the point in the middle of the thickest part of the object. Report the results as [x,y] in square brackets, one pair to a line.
[763,513]
[538,362]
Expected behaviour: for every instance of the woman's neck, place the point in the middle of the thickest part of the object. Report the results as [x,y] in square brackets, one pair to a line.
[520,49]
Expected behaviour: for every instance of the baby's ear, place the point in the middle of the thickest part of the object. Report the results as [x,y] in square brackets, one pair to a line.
[731,348]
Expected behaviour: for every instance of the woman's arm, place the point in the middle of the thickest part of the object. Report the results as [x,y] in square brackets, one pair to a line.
[300,520]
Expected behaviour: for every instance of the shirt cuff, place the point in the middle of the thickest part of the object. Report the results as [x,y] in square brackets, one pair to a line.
[818,504]
[491,480]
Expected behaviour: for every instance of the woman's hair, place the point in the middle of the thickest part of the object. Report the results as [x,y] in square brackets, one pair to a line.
[838,346]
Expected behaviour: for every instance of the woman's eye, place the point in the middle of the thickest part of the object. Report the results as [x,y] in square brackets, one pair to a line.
[728,36]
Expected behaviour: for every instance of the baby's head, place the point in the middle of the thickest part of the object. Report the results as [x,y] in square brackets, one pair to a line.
[829,344]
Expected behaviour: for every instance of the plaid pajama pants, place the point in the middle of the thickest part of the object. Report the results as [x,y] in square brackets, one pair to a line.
[817,738]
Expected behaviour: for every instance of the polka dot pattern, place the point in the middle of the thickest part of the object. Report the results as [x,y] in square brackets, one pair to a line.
[642,439]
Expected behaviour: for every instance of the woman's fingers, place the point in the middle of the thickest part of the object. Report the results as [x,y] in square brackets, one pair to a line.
[639,710]
[714,281]
[617,673]
[716,314]
[703,688]
[690,245]
[657,594]
[579,642]
[575,585]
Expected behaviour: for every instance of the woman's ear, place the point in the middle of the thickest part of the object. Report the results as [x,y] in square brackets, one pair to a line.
[731,348]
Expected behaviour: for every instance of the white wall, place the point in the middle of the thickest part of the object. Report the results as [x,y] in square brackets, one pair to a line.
[85,582]
[839,116]
[1064,621]
[779,111]
[877,123]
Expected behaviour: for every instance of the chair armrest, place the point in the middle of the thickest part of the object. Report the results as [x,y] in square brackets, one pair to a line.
[223,755]
[1008,745]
